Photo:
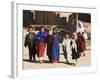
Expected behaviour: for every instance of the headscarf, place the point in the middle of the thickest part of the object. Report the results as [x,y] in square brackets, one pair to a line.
[80,27]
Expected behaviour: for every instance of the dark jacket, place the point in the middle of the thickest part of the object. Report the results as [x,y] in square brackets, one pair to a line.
[30,40]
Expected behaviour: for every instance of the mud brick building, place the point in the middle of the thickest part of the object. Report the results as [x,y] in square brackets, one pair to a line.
[64,20]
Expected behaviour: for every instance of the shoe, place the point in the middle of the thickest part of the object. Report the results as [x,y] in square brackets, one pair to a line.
[67,62]
[30,60]
[41,62]
[83,54]
[74,64]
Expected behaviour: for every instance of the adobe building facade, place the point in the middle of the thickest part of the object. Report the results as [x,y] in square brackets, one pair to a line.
[64,20]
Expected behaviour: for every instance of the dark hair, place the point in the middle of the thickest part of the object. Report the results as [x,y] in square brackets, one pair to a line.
[54,29]
[29,26]
[42,27]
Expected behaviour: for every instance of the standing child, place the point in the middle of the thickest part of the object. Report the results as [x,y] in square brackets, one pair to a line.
[67,48]
[75,48]
[81,38]
[30,42]
[41,36]
[82,42]
[49,45]
[55,46]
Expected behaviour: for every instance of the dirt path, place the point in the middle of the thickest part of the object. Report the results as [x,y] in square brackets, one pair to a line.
[82,61]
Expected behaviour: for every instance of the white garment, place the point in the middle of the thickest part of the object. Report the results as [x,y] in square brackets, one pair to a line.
[41,58]
[61,49]
[80,28]
[66,43]
[85,35]
[74,45]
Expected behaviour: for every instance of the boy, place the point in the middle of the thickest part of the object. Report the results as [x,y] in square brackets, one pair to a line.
[31,43]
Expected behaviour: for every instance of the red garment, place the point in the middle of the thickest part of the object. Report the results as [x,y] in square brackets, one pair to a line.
[41,49]
[55,60]
[82,42]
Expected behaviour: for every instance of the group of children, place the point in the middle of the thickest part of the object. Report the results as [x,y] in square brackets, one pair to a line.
[73,47]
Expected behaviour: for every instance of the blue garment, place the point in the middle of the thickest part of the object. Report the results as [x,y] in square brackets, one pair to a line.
[41,36]
[55,47]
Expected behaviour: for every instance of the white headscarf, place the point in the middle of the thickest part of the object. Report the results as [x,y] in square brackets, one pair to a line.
[80,27]
[74,45]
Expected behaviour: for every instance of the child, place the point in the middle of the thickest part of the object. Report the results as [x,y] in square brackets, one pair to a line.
[55,46]
[75,48]
[81,38]
[67,48]
[49,45]
[41,37]
[30,42]
[82,42]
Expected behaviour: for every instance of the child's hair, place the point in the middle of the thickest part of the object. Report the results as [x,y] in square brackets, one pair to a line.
[42,27]
[55,30]
[69,35]
[29,26]
[66,36]
[74,34]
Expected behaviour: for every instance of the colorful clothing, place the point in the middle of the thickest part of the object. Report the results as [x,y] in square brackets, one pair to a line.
[41,49]
[41,36]
[55,47]
[82,42]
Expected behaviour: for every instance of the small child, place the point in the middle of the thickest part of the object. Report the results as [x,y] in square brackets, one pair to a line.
[55,46]
[67,48]
[31,43]
[75,48]
[41,38]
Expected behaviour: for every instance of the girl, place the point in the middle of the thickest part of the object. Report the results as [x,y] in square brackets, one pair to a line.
[82,42]
[75,48]
[81,38]
[49,45]
[55,46]
[41,44]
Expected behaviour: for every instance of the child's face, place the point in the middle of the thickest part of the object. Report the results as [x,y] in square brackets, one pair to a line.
[54,31]
[74,36]
[67,36]
[42,29]
[50,32]
[30,29]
